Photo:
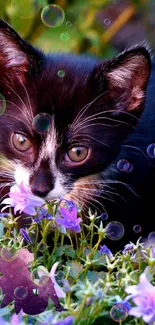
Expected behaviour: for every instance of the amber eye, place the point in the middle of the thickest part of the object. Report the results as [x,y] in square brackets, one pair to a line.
[21,142]
[78,154]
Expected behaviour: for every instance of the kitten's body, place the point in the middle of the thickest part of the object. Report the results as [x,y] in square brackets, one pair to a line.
[96,106]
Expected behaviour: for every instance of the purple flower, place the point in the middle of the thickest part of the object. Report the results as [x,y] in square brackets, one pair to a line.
[69,320]
[105,250]
[69,220]
[124,303]
[43,214]
[128,248]
[25,235]
[22,199]
[143,295]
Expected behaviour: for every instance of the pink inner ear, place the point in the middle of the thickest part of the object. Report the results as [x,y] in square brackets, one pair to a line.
[130,77]
[10,54]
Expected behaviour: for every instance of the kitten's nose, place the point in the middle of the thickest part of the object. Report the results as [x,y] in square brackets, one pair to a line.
[41,193]
[41,182]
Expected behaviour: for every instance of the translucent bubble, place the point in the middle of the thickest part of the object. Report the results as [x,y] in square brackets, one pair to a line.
[107,21]
[88,251]
[119,312]
[124,166]
[151,236]
[21,292]
[42,122]
[61,73]
[26,8]
[68,23]
[151,150]
[9,254]
[104,216]
[42,247]
[52,16]
[137,228]
[40,276]
[64,36]
[114,230]
[2,104]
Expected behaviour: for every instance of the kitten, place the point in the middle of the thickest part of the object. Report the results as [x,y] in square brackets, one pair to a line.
[97,120]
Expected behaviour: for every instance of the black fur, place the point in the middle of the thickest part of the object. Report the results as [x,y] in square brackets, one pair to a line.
[122,134]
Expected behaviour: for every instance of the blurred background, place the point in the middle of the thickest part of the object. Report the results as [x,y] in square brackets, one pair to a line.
[94,27]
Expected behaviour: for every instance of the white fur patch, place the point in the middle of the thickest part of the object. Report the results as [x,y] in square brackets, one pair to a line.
[21,174]
[59,190]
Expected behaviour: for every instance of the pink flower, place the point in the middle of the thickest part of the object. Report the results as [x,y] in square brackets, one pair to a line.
[143,295]
[22,199]
[60,293]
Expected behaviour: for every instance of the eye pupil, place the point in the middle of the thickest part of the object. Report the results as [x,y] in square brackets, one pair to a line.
[20,142]
[78,154]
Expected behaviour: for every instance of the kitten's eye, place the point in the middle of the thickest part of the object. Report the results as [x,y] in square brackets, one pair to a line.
[78,154]
[21,142]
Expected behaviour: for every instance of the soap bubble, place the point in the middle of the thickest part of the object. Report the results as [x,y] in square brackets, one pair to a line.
[151,236]
[114,230]
[61,73]
[42,247]
[124,166]
[2,104]
[119,312]
[88,251]
[42,122]
[107,21]
[68,23]
[21,292]
[40,276]
[52,16]
[9,254]
[137,228]
[64,36]
[104,216]
[151,150]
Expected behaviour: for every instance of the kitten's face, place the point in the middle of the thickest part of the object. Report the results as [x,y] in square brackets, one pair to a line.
[92,108]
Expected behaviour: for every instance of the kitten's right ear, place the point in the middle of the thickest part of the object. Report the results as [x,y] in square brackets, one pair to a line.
[17,57]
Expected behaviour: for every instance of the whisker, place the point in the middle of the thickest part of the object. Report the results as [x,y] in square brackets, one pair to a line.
[83,109]
[89,136]
[29,101]
[138,149]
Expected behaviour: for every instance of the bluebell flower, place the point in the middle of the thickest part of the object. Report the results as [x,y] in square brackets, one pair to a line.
[25,235]
[128,248]
[22,200]
[124,303]
[143,296]
[69,219]
[105,250]
[69,320]
[42,214]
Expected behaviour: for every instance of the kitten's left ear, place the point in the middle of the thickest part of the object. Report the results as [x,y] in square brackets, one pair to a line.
[17,57]
[125,78]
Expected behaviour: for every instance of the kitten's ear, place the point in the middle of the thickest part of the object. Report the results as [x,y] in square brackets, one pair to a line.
[125,78]
[17,57]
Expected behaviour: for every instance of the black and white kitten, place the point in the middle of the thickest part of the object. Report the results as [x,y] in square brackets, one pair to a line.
[97,120]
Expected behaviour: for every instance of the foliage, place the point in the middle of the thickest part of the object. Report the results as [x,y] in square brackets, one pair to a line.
[91,282]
